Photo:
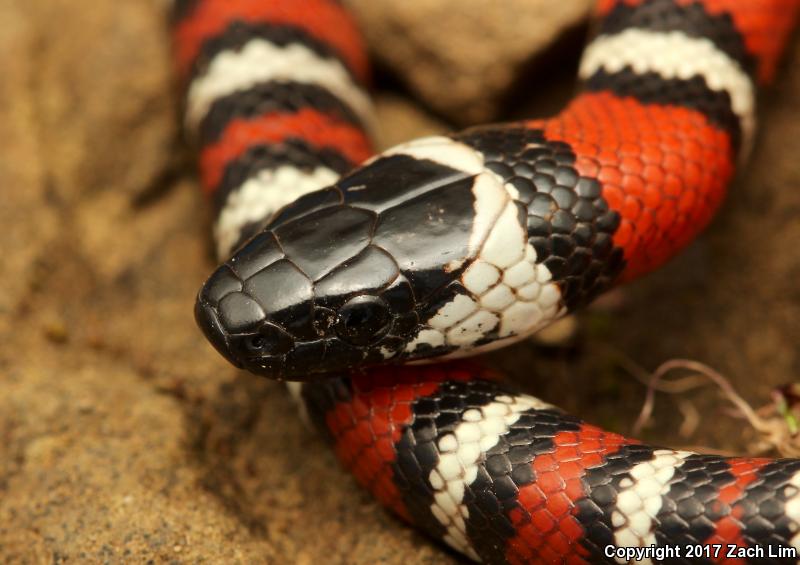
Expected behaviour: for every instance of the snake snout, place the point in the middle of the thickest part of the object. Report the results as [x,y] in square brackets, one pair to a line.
[208,320]
[240,320]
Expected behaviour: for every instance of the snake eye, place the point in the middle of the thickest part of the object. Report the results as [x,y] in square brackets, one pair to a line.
[269,340]
[364,319]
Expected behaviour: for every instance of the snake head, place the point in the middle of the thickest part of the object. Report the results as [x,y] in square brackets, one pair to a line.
[348,275]
[310,293]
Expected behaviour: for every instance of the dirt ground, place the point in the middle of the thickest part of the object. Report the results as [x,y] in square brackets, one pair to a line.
[125,438]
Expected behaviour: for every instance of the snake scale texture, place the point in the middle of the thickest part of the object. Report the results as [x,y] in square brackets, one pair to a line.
[343,271]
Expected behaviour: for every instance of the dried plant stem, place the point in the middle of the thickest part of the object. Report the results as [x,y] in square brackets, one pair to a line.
[773,430]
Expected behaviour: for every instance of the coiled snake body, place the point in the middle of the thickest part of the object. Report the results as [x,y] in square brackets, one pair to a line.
[450,245]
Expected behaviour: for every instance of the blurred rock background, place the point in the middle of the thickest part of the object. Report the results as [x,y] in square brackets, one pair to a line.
[125,438]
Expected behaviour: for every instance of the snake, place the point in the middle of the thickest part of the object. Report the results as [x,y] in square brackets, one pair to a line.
[367,280]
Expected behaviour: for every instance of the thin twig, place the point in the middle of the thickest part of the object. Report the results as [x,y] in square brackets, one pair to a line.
[677,386]
[722,382]
[774,433]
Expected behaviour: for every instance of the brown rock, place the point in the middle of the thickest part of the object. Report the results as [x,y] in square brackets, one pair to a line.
[461,58]
[24,193]
[399,121]
[101,470]
[99,72]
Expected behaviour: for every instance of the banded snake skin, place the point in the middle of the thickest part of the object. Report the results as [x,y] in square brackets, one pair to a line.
[343,277]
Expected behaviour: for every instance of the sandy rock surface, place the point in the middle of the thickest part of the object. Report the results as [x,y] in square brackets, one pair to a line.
[125,438]
[461,58]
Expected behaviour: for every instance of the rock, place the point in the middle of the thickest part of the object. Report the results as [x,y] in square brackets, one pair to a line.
[558,334]
[461,58]
[100,470]
[25,193]
[400,121]
[76,121]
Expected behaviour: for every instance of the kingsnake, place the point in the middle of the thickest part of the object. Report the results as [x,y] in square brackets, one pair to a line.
[451,245]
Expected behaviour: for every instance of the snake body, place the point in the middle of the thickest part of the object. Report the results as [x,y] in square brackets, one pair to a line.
[347,277]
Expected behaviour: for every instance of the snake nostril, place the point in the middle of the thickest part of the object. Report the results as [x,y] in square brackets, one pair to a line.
[206,317]
[271,340]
